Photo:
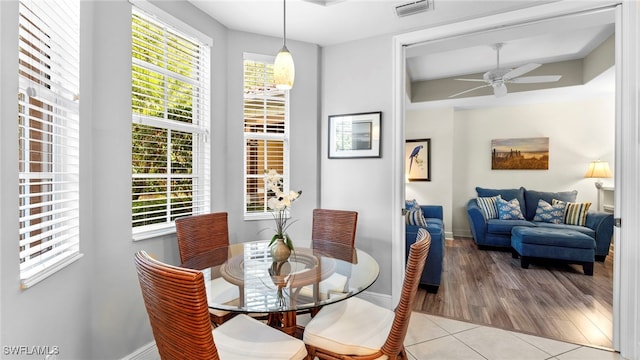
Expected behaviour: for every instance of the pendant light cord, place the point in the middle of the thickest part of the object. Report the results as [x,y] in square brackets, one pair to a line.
[284,17]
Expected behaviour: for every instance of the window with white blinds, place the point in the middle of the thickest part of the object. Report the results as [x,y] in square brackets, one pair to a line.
[266,133]
[48,137]
[170,125]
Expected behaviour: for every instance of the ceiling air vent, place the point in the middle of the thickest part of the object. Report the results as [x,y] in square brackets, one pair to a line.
[414,7]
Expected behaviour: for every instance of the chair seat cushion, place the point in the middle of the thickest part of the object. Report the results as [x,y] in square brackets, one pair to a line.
[353,326]
[334,284]
[244,338]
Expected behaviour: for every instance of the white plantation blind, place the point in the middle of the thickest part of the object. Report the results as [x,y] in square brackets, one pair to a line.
[266,132]
[48,134]
[170,130]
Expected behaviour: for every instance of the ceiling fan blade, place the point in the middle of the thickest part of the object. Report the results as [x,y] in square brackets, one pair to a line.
[535,79]
[478,80]
[520,71]
[469,90]
[500,90]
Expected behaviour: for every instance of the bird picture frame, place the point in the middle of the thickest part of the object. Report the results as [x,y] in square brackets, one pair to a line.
[418,159]
[355,135]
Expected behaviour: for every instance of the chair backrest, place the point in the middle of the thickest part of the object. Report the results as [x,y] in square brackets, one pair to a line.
[176,303]
[337,226]
[415,264]
[201,233]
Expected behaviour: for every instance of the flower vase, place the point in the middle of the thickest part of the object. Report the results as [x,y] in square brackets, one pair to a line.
[280,252]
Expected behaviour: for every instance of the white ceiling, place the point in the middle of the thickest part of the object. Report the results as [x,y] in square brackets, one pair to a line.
[330,22]
[344,20]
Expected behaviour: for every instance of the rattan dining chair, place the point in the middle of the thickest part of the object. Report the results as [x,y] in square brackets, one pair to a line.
[337,226]
[358,329]
[176,303]
[197,235]
[200,233]
[331,227]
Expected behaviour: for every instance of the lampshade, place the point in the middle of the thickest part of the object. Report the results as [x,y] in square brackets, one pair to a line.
[284,70]
[598,169]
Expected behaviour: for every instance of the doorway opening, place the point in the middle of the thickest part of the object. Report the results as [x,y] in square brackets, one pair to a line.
[459,179]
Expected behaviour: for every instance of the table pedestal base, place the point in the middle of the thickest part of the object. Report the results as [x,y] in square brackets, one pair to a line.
[284,321]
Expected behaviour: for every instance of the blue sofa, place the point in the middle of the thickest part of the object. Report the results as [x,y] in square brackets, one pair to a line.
[432,273]
[498,233]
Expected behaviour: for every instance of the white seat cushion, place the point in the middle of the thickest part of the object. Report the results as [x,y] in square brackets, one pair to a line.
[333,284]
[353,326]
[244,338]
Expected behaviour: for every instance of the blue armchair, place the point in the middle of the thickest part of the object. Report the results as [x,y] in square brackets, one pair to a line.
[432,273]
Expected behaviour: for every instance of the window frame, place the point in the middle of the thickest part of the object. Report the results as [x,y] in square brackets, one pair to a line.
[48,138]
[284,136]
[199,127]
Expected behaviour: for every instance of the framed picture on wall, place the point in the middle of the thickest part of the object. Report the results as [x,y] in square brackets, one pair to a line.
[418,159]
[354,135]
[520,154]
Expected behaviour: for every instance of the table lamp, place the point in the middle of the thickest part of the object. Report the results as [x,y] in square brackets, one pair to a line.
[598,170]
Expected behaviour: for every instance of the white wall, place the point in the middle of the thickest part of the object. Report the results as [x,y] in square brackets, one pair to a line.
[356,77]
[437,125]
[578,131]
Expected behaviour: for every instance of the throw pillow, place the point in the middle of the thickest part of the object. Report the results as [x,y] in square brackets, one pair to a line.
[505,194]
[509,210]
[488,206]
[531,198]
[575,213]
[548,213]
[415,217]
[411,204]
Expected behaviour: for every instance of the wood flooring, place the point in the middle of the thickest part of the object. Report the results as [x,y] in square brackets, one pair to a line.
[549,299]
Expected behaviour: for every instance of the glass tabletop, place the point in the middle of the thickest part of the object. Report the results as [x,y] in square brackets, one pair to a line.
[243,277]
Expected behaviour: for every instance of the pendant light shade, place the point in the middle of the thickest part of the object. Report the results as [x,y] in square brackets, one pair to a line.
[284,70]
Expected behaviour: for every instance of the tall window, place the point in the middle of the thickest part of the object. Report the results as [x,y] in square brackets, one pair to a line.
[170,108]
[48,130]
[266,132]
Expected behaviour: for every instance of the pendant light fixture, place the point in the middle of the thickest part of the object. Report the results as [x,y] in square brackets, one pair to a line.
[283,69]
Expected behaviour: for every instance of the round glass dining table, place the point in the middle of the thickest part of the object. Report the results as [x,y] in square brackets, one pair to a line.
[244,278]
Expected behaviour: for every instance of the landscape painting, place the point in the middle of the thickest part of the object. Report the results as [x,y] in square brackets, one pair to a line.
[520,154]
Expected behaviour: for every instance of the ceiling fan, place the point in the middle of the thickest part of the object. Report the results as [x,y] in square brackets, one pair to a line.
[499,77]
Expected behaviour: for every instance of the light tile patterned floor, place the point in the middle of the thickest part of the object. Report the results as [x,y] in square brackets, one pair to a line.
[436,338]
[431,337]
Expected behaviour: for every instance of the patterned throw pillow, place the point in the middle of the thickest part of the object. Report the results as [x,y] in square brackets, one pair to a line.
[576,213]
[415,217]
[548,213]
[509,210]
[488,206]
[411,204]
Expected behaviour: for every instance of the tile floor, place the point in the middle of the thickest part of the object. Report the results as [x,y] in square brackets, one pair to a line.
[432,337]
[437,338]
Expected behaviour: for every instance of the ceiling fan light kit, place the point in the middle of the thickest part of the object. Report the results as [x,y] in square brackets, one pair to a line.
[499,77]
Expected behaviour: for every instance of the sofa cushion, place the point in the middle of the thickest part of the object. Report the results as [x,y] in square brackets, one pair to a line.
[489,206]
[548,213]
[497,226]
[582,229]
[509,210]
[552,237]
[415,217]
[531,198]
[506,194]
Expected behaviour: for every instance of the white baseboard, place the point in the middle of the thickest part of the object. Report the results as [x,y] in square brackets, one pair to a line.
[147,352]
